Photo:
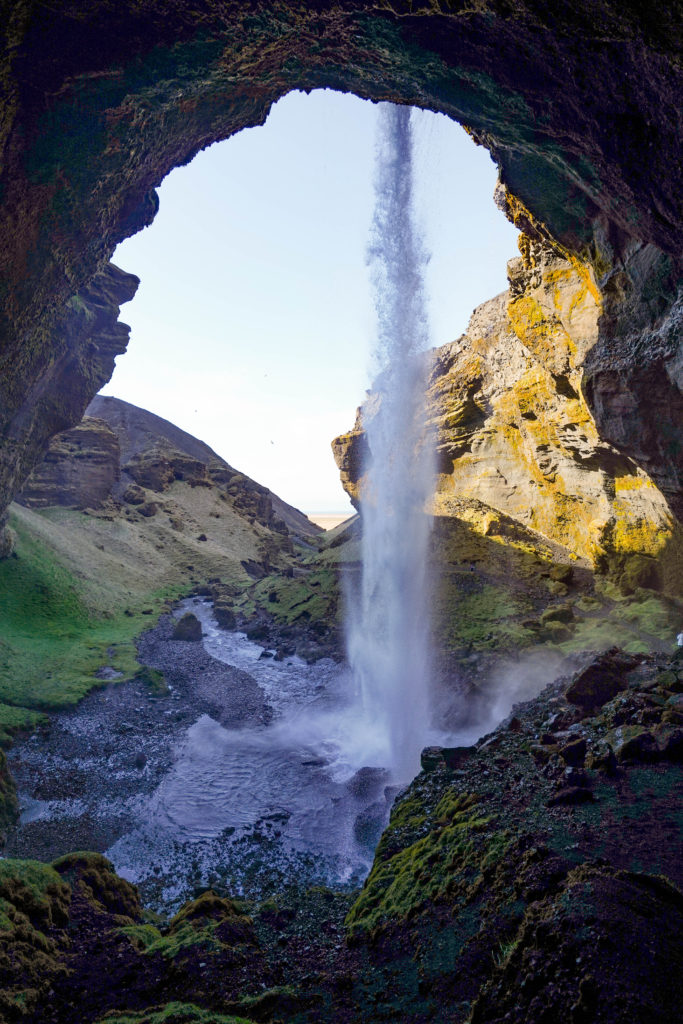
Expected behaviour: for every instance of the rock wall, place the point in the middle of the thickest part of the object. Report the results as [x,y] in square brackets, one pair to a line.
[80,469]
[579,105]
[513,430]
[126,455]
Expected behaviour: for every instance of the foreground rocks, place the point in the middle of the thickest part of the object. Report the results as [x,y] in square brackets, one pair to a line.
[495,895]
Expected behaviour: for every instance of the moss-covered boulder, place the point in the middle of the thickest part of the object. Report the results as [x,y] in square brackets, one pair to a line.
[172,1013]
[94,876]
[188,628]
[208,925]
[9,805]
[224,615]
[34,908]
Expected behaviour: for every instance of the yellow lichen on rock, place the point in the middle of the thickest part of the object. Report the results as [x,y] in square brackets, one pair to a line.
[512,430]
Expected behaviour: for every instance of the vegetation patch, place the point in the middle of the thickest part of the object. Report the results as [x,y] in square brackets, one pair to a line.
[486,617]
[95,877]
[172,1013]
[443,866]
[34,901]
[14,720]
[310,597]
[52,640]
[9,805]
[210,923]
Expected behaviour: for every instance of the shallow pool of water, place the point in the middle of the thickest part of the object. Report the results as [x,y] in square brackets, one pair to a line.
[307,792]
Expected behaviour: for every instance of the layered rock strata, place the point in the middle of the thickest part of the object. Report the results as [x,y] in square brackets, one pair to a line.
[132,456]
[512,428]
[579,105]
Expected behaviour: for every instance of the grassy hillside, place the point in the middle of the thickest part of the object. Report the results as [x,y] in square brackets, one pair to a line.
[80,587]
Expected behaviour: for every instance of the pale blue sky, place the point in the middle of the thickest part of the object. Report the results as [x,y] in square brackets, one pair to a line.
[252,327]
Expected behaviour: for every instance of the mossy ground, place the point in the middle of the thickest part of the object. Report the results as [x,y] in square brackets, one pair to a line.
[80,588]
[508,591]
[33,902]
[172,1013]
[443,865]
[207,925]
[312,595]
[53,639]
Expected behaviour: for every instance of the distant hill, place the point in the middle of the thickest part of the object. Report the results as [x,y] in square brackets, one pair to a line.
[121,452]
[125,514]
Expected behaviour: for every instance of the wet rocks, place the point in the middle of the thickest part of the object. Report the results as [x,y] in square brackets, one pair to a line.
[224,615]
[574,753]
[188,628]
[451,758]
[431,758]
[367,782]
[601,680]
[369,824]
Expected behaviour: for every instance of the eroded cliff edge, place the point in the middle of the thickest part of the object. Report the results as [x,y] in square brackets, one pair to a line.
[514,432]
[579,105]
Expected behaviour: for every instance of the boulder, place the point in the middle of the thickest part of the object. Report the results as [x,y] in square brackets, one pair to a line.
[603,679]
[367,782]
[574,753]
[188,628]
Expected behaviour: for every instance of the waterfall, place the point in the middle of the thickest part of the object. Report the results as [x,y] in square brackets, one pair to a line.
[388,645]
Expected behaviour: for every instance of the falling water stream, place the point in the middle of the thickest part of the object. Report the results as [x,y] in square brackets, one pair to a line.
[388,621]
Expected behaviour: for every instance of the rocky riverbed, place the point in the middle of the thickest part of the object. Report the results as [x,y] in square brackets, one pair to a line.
[235,770]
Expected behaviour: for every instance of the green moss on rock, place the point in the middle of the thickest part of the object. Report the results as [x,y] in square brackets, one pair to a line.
[9,805]
[34,901]
[448,860]
[95,877]
[154,679]
[172,1013]
[210,923]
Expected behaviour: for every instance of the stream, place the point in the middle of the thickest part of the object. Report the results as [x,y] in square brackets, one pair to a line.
[249,774]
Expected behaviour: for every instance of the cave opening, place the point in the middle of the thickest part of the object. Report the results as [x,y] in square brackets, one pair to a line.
[250,331]
[252,325]
[580,105]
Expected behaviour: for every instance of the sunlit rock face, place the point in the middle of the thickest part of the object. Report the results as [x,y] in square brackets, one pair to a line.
[513,430]
[578,103]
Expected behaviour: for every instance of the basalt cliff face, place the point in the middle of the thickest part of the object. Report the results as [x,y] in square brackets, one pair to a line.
[579,105]
[132,457]
[514,433]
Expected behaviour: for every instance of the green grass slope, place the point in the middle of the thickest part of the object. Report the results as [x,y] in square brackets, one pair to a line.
[80,588]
